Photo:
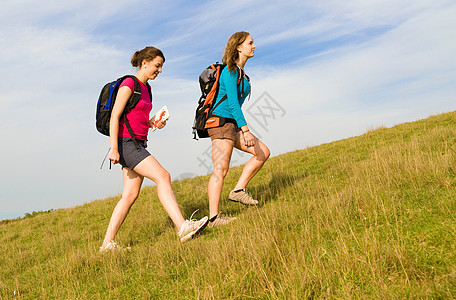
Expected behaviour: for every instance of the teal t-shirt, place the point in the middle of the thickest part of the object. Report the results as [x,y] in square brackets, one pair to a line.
[231,107]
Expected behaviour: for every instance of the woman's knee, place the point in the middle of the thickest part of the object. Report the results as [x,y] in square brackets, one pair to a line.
[130,196]
[220,171]
[163,177]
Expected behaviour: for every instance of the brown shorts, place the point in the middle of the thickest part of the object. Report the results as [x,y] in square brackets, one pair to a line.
[227,131]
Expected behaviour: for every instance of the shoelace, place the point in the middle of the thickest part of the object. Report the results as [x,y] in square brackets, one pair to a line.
[189,220]
[192,215]
[246,196]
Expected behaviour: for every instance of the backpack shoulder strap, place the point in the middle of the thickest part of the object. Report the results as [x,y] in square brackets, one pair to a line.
[137,91]
[239,81]
[240,74]
[135,96]
[149,89]
[137,88]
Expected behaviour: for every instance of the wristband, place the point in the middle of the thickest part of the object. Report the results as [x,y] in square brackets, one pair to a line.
[245,131]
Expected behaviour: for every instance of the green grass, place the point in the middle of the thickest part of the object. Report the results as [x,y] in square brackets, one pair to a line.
[372,216]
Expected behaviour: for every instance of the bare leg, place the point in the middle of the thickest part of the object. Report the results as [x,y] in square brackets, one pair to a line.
[132,186]
[152,169]
[260,154]
[221,156]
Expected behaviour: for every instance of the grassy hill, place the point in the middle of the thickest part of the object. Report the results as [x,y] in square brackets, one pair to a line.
[372,216]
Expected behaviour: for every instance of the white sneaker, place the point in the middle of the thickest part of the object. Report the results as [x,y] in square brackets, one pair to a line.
[191,227]
[112,246]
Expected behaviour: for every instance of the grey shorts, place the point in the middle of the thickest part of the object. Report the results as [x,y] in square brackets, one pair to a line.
[129,155]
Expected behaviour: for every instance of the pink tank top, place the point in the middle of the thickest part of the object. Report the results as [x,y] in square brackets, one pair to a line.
[138,117]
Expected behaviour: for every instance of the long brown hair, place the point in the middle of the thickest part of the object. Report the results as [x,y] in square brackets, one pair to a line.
[231,52]
[147,54]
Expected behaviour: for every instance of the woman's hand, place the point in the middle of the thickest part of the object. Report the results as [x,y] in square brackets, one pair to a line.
[114,156]
[249,139]
[161,124]
[151,122]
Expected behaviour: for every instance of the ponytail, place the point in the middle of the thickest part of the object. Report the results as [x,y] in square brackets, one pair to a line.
[148,54]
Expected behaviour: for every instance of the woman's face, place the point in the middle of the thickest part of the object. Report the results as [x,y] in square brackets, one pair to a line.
[153,67]
[247,48]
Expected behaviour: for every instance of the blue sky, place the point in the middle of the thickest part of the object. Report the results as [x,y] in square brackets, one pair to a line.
[321,72]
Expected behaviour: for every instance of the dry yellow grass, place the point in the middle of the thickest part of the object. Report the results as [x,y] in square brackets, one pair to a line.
[363,218]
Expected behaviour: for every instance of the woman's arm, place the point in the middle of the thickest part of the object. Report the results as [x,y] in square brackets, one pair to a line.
[230,81]
[123,95]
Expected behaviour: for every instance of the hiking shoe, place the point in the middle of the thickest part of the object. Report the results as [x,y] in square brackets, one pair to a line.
[241,196]
[220,220]
[112,246]
[190,228]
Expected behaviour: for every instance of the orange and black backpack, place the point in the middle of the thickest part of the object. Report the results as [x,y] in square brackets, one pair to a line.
[209,84]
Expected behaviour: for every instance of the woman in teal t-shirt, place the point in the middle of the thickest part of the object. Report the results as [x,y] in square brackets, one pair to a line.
[234,132]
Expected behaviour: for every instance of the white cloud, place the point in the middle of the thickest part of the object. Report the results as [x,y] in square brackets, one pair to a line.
[53,71]
[77,14]
[403,75]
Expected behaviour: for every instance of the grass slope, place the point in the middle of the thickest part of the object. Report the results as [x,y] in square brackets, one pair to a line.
[367,217]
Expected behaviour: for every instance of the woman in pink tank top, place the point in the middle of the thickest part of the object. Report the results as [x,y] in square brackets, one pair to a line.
[137,162]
